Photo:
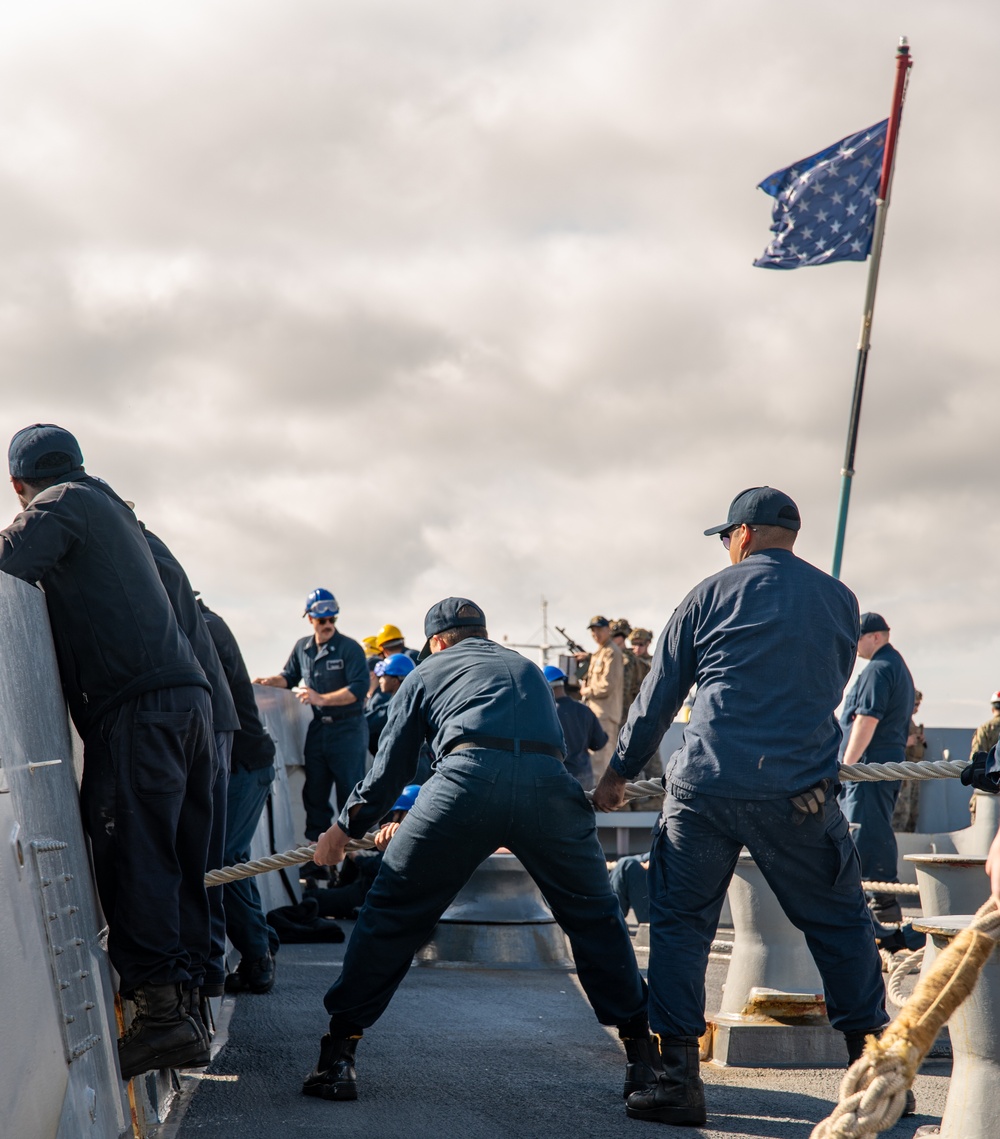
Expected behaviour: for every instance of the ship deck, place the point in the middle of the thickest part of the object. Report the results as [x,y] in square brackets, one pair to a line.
[476,1054]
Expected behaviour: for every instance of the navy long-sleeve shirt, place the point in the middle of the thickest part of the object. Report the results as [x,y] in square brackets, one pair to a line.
[771,643]
[253,747]
[336,664]
[583,733]
[115,632]
[476,687]
[185,606]
[883,690]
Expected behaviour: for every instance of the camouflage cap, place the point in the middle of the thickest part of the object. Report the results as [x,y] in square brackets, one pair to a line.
[621,627]
[641,637]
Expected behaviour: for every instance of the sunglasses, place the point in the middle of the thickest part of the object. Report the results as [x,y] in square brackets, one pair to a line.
[726,538]
[324,620]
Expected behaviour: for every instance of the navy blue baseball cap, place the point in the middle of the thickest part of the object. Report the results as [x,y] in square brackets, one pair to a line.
[760,506]
[873,623]
[452,613]
[32,446]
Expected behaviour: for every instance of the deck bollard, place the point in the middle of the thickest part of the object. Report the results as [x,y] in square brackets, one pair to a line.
[973,1105]
[499,920]
[773,1013]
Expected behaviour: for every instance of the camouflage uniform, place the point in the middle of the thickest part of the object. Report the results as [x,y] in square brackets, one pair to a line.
[631,675]
[645,663]
[601,691]
[987,735]
[636,671]
[904,814]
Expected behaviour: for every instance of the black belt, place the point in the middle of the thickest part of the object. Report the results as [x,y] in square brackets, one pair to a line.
[498,743]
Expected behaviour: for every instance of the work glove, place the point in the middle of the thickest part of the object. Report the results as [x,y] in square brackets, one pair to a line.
[981,772]
[811,802]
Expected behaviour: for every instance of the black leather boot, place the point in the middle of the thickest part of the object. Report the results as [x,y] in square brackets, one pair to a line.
[194,1000]
[162,1035]
[334,1076]
[678,1096]
[252,976]
[643,1066]
[855,1049]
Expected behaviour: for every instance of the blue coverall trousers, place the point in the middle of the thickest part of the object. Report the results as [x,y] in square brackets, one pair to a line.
[810,863]
[334,756]
[477,800]
[245,922]
[630,882]
[215,972]
[870,805]
[146,800]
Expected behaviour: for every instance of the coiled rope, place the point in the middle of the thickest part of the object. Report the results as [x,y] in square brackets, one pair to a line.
[873,1093]
[644,789]
[907,963]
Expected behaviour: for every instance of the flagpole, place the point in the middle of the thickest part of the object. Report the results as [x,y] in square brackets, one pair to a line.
[903,64]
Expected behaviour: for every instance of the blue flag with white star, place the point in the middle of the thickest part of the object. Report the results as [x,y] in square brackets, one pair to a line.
[824,206]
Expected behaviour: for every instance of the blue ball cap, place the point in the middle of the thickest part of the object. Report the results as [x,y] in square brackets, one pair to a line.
[321,603]
[32,448]
[399,665]
[760,506]
[407,798]
[873,623]
[452,613]
[554,675]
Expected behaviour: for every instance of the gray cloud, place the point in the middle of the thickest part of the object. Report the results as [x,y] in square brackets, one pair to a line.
[412,298]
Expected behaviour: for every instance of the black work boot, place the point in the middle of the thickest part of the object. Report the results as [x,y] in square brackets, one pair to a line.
[252,976]
[334,1076]
[855,1050]
[678,1096]
[162,1035]
[195,1006]
[643,1066]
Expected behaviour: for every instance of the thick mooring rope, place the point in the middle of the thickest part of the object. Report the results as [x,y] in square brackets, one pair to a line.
[644,789]
[906,964]
[873,1093]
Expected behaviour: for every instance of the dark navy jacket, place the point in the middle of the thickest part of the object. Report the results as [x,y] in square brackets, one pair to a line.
[771,643]
[115,631]
[340,663]
[253,748]
[476,687]
[583,733]
[885,690]
[182,598]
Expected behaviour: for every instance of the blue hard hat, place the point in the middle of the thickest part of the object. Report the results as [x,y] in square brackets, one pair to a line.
[554,675]
[409,796]
[399,665]
[321,603]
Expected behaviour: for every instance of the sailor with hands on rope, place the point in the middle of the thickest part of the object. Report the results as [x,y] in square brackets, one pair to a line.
[770,642]
[499,780]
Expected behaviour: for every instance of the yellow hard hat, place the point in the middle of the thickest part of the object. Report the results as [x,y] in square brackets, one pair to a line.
[386,634]
[371,646]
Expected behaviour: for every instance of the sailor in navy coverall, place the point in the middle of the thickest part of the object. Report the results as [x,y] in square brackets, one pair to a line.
[328,665]
[876,722]
[770,642]
[499,780]
[142,705]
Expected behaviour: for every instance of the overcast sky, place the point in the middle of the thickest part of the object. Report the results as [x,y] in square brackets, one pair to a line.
[410,298]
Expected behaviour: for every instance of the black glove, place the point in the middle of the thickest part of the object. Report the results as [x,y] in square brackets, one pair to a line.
[979,775]
[811,802]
